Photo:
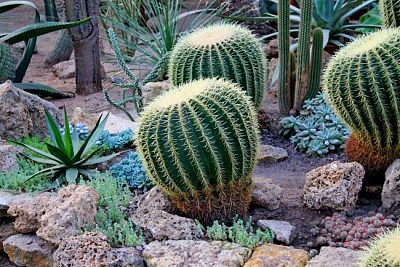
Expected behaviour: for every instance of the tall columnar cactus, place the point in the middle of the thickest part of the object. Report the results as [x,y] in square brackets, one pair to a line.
[199,143]
[390,12]
[383,251]
[6,63]
[292,95]
[223,50]
[362,82]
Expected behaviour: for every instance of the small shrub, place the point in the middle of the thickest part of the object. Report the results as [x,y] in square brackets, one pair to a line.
[240,232]
[318,130]
[117,141]
[131,170]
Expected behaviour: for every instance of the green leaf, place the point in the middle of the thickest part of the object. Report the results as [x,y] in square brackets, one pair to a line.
[40,152]
[69,149]
[54,131]
[46,171]
[71,175]
[9,5]
[60,154]
[323,9]
[99,159]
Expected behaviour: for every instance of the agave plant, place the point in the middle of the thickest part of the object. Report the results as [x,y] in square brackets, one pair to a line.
[68,156]
[28,34]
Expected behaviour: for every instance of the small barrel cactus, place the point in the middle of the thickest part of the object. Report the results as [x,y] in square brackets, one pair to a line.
[362,83]
[6,63]
[223,50]
[390,12]
[384,251]
[199,143]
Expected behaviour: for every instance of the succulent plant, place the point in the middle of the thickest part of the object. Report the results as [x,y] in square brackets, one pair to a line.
[222,50]
[384,250]
[116,141]
[361,83]
[199,143]
[81,129]
[6,63]
[390,12]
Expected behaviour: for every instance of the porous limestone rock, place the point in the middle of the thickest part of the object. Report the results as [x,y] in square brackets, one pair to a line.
[391,187]
[29,251]
[154,89]
[174,253]
[22,113]
[8,157]
[156,199]
[284,231]
[334,186]
[271,153]
[270,255]
[334,257]
[265,193]
[7,199]
[6,230]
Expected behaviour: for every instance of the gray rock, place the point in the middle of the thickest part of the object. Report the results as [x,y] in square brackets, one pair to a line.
[124,257]
[22,113]
[335,186]
[117,124]
[265,193]
[165,226]
[6,230]
[7,199]
[270,255]
[334,257]
[178,253]
[29,251]
[391,187]
[284,231]
[155,89]
[156,199]
[8,157]
[271,153]
[66,69]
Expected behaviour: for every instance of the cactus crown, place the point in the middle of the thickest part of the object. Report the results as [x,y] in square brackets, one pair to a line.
[384,250]
[222,50]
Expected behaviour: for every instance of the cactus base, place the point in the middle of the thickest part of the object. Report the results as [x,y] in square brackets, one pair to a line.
[216,204]
[373,160]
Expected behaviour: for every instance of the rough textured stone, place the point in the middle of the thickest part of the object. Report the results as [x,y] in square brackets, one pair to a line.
[117,124]
[66,69]
[156,199]
[391,187]
[334,257]
[268,153]
[165,226]
[177,253]
[8,157]
[155,89]
[265,193]
[6,230]
[7,199]
[22,113]
[277,256]
[28,250]
[335,186]
[284,231]
[79,116]
[124,257]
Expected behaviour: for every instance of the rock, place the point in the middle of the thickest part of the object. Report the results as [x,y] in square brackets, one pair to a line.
[7,199]
[22,113]
[156,199]
[124,257]
[271,153]
[28,250]
[265,193]
[117,124]
[6,230]
[270,255]
[391,187]
[284,231]
[335,186]
[165,226]
[155,89]
[176,253]
[271,49]
[79,116]
[8,157]
[66,69]
[334,257]
[76,210]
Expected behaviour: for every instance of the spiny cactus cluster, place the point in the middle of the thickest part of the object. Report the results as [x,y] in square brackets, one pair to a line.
[6,63]
[80,128]
[362,84]
[317,130]
[199,144]
[390,12]
[340,231]
[116,141]
[223,51]
[384,250]
[131,171]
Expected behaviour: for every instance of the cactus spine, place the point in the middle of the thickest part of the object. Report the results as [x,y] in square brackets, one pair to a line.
[390,12]
[199,144]
[223,50]
[291,96]
[383,251]
[6,63]
[362,83]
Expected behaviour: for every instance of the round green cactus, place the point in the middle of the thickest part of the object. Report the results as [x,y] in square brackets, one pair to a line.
[6,63]
[199,143]
[223,50]
[383,251]
[362,82]
[390,12]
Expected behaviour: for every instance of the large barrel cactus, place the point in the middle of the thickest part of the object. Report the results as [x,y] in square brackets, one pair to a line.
[390,12]
[362,82]
[223,50]
[6,63]
[383,251]
[199,144]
